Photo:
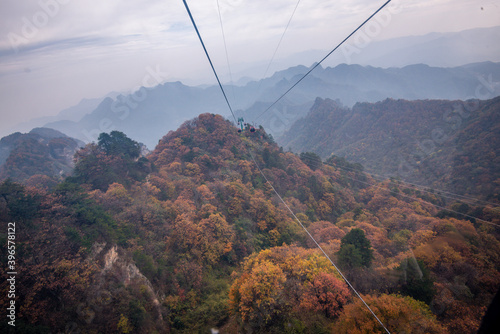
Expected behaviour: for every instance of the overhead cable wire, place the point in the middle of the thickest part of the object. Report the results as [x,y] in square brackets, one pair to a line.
[324,58]
[209,60]
[264,176]
[317,244]
[416,199]
[454,196]
[281,39]
[225,48]
[275,51]
[419,199]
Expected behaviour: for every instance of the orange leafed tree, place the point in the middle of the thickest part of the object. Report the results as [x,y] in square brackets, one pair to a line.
[286,286]
[258,297]
[398,314]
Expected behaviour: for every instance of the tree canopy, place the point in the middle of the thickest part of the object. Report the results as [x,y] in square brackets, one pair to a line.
[194,238]
[114,159]
[355,250]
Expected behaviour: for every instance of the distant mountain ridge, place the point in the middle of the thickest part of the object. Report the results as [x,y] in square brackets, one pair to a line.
[449,49]
[449,145]
[150,112]
[437,49]
[73,113]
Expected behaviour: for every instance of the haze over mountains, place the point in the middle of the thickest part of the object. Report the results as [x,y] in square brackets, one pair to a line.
[74,113]
[450,49]
[149,113]
[191,236]
[434,49]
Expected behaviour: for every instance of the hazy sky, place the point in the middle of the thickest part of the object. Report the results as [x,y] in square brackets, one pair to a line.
[53,53]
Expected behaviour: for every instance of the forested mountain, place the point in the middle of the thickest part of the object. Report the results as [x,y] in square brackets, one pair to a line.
[149,113]
[192,237]
[448,145]
[42,155]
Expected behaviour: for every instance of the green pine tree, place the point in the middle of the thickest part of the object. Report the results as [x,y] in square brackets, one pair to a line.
[355,250]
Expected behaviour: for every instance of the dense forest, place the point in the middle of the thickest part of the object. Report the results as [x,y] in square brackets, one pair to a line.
[42,155]
[193,237]
[447,145]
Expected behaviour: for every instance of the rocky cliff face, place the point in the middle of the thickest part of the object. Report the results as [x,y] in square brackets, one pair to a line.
[116,267]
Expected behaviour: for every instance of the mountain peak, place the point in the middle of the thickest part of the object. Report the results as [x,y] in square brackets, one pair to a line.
[203,139]
[48,133]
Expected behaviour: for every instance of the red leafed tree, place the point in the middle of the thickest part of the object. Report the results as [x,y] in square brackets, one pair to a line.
[326,293]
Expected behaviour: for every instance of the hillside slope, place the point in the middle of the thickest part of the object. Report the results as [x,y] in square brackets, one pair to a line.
[202,242]
[42,151]
[449,145]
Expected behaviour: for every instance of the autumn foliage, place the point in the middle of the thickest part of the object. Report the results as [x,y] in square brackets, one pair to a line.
[286,287]
[192,237]
[398,314]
